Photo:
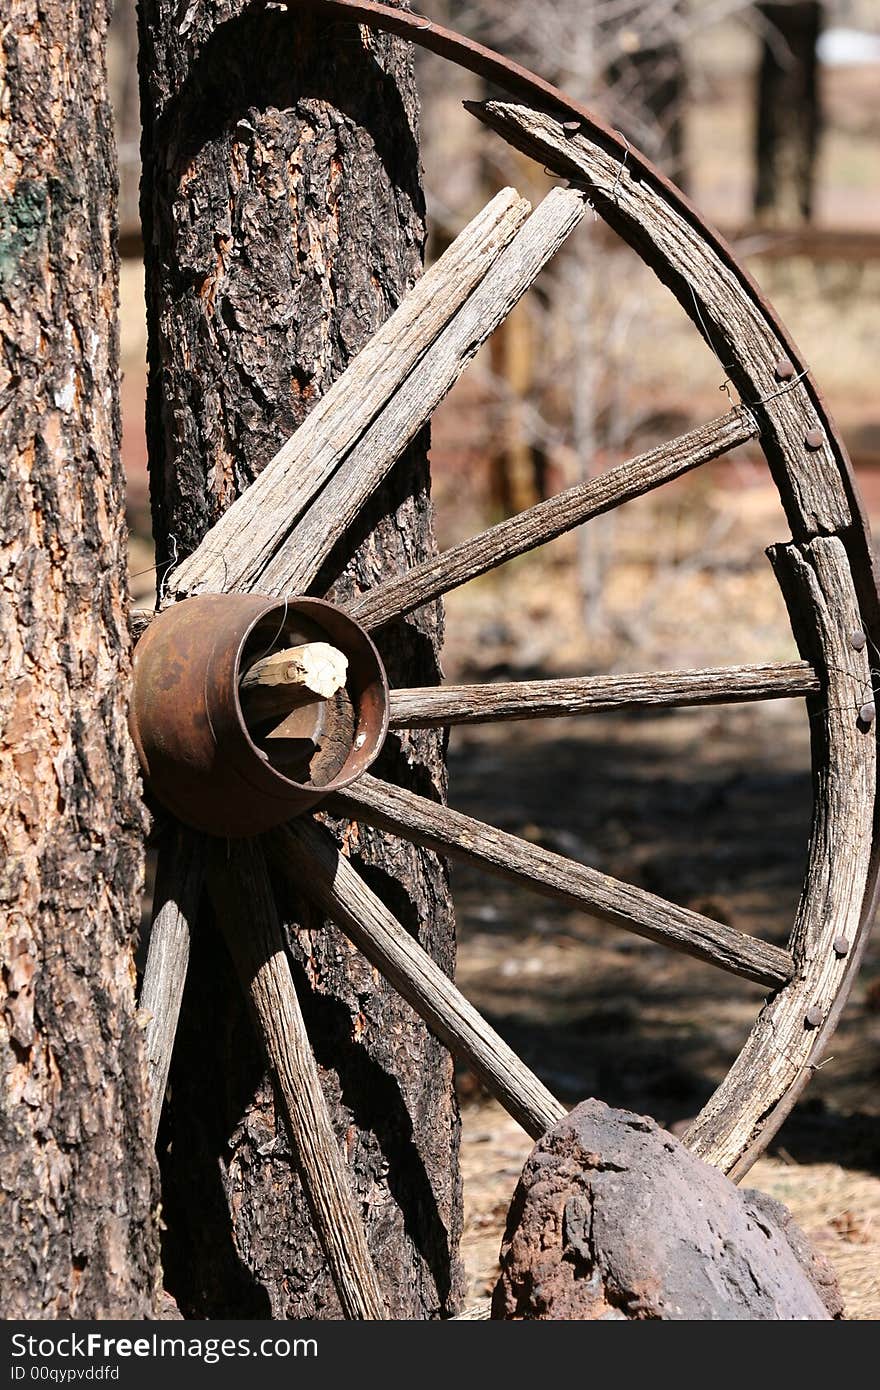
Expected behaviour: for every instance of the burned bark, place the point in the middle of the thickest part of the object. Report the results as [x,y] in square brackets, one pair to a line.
[78,1238]
[283,222]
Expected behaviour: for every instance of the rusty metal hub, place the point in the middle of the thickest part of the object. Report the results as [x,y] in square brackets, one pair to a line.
[200,757]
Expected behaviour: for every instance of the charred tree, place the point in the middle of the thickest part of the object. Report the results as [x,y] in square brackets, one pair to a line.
[78,1237]
[789,113]
[283,221]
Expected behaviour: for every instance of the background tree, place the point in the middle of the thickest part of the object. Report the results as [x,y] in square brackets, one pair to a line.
[78,1236]
[283,221]
[789,112]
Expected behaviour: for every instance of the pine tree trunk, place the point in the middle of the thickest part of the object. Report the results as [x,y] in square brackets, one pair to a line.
[78,1236]
[283,222]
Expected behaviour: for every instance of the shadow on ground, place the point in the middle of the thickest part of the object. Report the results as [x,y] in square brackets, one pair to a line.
[710,809]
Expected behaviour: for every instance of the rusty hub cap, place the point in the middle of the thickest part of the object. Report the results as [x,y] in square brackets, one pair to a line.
[200,758]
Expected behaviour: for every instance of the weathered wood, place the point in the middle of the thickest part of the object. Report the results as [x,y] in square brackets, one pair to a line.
[547,520]
[280,683]
[613,1218]
[447,831]
[723,306]
[180,874]
[236,551]
[79,1236]
[296,563]
[786,1040]
[308,855]
[245,908]
[316,666]
[437,707]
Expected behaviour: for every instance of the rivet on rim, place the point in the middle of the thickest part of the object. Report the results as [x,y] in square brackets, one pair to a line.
[814,439]
[841,946]
[857,641]
[813,1017]
[784,369]
[571,127]
[868,712]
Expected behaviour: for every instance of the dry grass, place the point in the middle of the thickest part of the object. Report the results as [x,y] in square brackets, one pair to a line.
[839,1209]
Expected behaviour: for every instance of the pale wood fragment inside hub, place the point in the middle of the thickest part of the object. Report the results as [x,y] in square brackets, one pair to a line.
[282,681]
[298,710]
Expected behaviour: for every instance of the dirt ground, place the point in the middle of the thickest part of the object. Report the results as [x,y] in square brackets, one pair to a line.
[711,808]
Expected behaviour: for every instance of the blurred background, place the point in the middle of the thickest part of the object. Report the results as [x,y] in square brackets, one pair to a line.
[769,116]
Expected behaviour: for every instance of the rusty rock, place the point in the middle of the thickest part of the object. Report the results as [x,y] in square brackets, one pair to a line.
[614,1218]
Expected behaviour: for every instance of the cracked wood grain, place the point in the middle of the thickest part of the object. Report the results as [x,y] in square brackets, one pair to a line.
[415,818]
[440,706]
[180,874]
[782,1045]
[547,520]
[296,563]
[306,852]
[245,908]
[724,308]
[241,545]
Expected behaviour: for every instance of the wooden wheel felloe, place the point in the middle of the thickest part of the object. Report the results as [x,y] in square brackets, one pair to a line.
[273,540]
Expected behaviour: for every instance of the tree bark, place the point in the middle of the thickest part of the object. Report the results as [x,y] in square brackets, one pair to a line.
[283,222]
[78,1236]
[789,113]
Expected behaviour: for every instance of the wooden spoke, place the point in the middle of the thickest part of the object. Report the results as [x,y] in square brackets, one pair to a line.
[307,854]
[245,908]
[437,706]
[180,875]
[296,563]
[277,538]
[269,540]
[547,520]
[240,542]
[437,827]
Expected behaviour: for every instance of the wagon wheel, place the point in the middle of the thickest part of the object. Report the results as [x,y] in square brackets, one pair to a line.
[273,540]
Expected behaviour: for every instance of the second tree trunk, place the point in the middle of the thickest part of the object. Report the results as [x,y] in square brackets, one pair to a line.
[283,222]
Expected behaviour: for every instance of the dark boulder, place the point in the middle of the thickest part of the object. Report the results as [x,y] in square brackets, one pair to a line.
[614,1218]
